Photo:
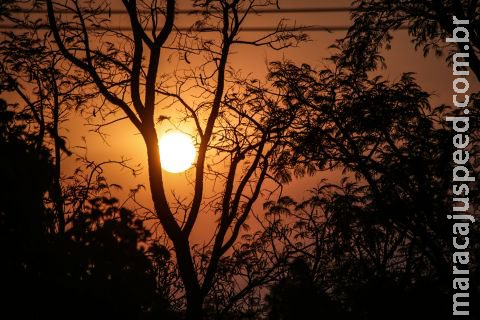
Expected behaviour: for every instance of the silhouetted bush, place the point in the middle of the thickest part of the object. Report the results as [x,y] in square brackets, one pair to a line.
[100,266]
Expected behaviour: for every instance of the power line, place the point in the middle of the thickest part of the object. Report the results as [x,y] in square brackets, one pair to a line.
[246,29]
[197,11]
[313,28]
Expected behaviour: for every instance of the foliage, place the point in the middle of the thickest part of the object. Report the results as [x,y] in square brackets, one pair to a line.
[380,239]
[429,23]
[362,248]
[102,264]
[238,135]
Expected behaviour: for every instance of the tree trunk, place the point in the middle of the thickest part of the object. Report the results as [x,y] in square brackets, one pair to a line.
[179,239]
[194,308]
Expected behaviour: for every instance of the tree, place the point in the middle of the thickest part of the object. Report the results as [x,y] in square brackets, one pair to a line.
[429,24]
[299,296]
[102,263]
[31,68]
[241,128]
[383,230]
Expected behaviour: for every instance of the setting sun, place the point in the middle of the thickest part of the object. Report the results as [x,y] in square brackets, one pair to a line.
[177,151]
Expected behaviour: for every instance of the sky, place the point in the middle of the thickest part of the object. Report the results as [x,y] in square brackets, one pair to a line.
[122,140]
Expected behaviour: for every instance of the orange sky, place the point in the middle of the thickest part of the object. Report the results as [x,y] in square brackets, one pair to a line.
[432,73]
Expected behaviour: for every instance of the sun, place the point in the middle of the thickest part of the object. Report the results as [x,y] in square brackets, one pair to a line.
[177,151]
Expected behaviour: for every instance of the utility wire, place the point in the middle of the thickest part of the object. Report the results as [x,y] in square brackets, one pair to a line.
[196,11]
[314,28]
[245,29]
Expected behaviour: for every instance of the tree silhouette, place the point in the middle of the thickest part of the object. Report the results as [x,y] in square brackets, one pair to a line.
[367,247]
[298,296]
[382,233]
[429,24]
[98,265]
[31,67]
[126,73]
